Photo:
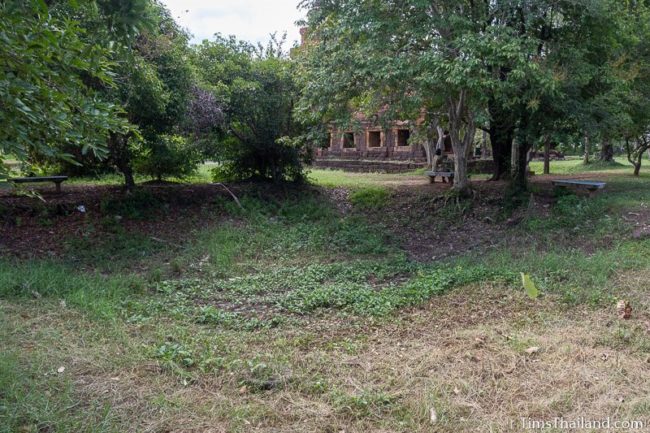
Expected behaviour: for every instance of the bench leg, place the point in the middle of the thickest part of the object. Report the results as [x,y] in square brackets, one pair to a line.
[58,186]
[432,179]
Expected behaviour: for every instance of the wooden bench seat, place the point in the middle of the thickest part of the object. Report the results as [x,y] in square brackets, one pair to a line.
[445,176]
[577,184]
[36,179]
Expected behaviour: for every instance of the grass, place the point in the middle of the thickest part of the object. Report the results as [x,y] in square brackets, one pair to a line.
[576,165]
[289,315]
[369,198]
[43,402]
[339,178]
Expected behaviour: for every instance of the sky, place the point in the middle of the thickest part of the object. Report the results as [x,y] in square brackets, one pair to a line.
[250,20]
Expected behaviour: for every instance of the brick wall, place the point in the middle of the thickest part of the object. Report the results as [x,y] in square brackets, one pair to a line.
[388,141]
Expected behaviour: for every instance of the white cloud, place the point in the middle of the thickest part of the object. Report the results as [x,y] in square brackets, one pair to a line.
[250,20]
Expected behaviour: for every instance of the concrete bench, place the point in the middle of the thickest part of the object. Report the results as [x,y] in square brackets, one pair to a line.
[36,179]
[588,185]
[445,176]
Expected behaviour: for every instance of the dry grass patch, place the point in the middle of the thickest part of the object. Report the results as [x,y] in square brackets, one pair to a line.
[465,355]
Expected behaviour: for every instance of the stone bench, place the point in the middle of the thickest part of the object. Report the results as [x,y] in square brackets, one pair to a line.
[445,176]
[591,186]
[36,179]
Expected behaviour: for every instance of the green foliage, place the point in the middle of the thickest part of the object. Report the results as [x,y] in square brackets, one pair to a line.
[529,286]
[168,156]
[48,85]
[364,299]
[174,353]
[369,198]
[537,71]
[258,90]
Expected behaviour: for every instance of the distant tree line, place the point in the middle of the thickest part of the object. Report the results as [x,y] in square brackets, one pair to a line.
[91,86]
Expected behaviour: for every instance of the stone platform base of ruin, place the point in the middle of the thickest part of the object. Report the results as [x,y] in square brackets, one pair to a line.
[475,166]
[368,165]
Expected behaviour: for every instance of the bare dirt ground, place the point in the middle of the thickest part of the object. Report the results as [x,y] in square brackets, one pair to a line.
[419,216]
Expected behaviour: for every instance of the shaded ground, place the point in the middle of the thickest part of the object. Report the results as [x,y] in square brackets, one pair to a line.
[427,224]
[167,214]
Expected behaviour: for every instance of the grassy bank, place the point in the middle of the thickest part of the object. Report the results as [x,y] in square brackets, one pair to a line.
[306,311]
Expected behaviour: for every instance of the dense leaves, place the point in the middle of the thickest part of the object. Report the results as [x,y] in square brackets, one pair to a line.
[97,85]
[257,90]
[48,81]
[523,71]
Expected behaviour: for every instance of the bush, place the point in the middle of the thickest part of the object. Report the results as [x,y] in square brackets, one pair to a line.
[168,156]
[259,137]
[278,161]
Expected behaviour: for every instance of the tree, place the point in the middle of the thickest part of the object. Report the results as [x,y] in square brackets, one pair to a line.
[153,84]
[156,87]
[406,57]
[256,90]
[46,93]
[636,131]
[169,155]
[508,58]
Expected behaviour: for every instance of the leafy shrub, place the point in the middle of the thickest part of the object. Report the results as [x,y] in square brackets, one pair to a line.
[168,156]
[278,160]
[259,137]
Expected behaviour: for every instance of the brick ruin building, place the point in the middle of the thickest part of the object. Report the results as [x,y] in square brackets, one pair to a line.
[373,147]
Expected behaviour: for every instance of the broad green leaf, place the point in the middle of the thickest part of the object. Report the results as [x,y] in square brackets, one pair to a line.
[529,286]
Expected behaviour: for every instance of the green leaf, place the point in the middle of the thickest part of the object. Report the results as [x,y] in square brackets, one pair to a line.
[529,286]
[42,6]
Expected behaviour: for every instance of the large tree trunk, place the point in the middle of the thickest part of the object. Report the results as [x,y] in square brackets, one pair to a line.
[457,113]
[520,165]
[502,129]
[129,181]
[607,150]
[461,180]
[520,148]
[120,154]
[547,155]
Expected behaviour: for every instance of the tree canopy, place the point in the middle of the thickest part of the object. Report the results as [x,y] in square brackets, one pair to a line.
[256,87]
[94,85]
[48,83]
[520,70]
